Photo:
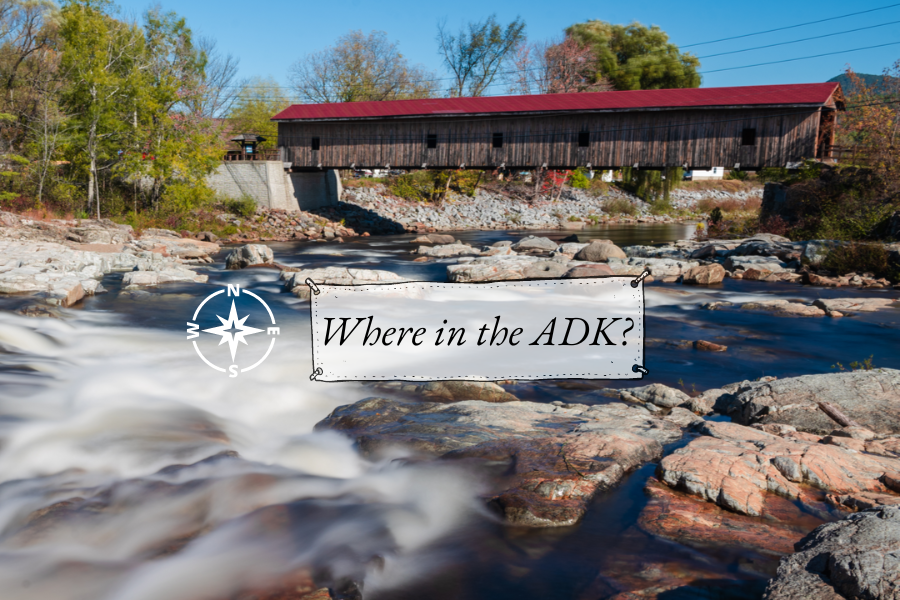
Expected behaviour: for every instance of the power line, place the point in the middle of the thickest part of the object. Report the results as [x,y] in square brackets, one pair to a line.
[818,37]
[776,62]
[746,35]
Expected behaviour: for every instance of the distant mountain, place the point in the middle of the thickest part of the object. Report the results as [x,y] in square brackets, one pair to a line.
[877,81]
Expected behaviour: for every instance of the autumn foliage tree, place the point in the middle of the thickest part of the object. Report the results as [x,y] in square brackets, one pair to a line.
[554,67]
[870,127]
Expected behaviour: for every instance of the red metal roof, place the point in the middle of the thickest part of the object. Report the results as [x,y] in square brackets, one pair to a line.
[800,93]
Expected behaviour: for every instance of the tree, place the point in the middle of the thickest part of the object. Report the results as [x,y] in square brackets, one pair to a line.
[100,57]
[173,145]
[219,85]
[636,57]
[555,67]
[358,68]
[870,127]
[258,101]
[475,54]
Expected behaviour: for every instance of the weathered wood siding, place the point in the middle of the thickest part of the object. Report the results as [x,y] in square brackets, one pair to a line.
[650,139]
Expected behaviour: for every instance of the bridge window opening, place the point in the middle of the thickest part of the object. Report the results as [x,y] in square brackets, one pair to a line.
[315,143]
[584,139]
[431,140]
[497,140]
[748,136]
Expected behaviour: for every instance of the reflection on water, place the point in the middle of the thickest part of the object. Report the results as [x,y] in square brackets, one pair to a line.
[101,415]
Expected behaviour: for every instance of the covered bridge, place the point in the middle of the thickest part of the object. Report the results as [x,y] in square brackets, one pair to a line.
[751,127]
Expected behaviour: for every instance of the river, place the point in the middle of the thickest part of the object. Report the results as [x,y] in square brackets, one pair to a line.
[113,484]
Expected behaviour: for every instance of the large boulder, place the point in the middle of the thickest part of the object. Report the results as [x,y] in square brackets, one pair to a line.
[295,281]
[555,457]
[600,252]
[705,275]
[534,243]
[249,256]
[858,557]
[658,394]
[871,398]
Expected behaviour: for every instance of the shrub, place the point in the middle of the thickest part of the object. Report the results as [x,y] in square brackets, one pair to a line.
[619,206]
[842,204]
[736,175]
[579,179]
[245,206]
[861,258]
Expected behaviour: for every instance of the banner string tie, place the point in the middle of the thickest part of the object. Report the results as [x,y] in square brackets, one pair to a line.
[639,369]
[315,289]
[641,277]
[315,374]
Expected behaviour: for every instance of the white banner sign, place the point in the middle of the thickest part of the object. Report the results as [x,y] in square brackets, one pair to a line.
[549,329]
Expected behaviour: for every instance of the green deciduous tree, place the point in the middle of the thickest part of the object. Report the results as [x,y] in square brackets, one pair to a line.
[258,101]
[101,56]
[636,57]
[171,145]
[476,53]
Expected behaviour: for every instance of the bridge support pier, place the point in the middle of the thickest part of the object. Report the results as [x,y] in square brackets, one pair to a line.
[315,189]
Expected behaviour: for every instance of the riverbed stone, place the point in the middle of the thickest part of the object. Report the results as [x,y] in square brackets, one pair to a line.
[249,255]
[600,252]
[589,270]
[455,249]
[851,305]
[550,460]
[544,269]
[449,391]
[762,263]
[685,519]
[535,243]
[295,281]
[871,398]
[705,275]
[856,557]
[736,466]
[659,394]
[783,307]
[659,267]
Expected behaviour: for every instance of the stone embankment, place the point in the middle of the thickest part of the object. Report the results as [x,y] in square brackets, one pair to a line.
[61,262]
[574,210]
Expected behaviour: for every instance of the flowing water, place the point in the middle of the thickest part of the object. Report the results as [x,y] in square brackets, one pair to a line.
[130,471]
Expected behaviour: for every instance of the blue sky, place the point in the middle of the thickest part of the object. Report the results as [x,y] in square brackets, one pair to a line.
[268,35]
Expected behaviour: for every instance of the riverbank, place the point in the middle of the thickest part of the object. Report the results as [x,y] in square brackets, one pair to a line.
[630,503]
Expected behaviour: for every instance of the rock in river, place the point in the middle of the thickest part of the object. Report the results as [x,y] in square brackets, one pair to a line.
[449,391]
[871,398]
[705,275]
[248,256]
[601,252]
[736,466]
[551,459]
[858,557]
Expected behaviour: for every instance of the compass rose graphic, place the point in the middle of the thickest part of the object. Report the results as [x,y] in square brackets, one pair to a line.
[232,330]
